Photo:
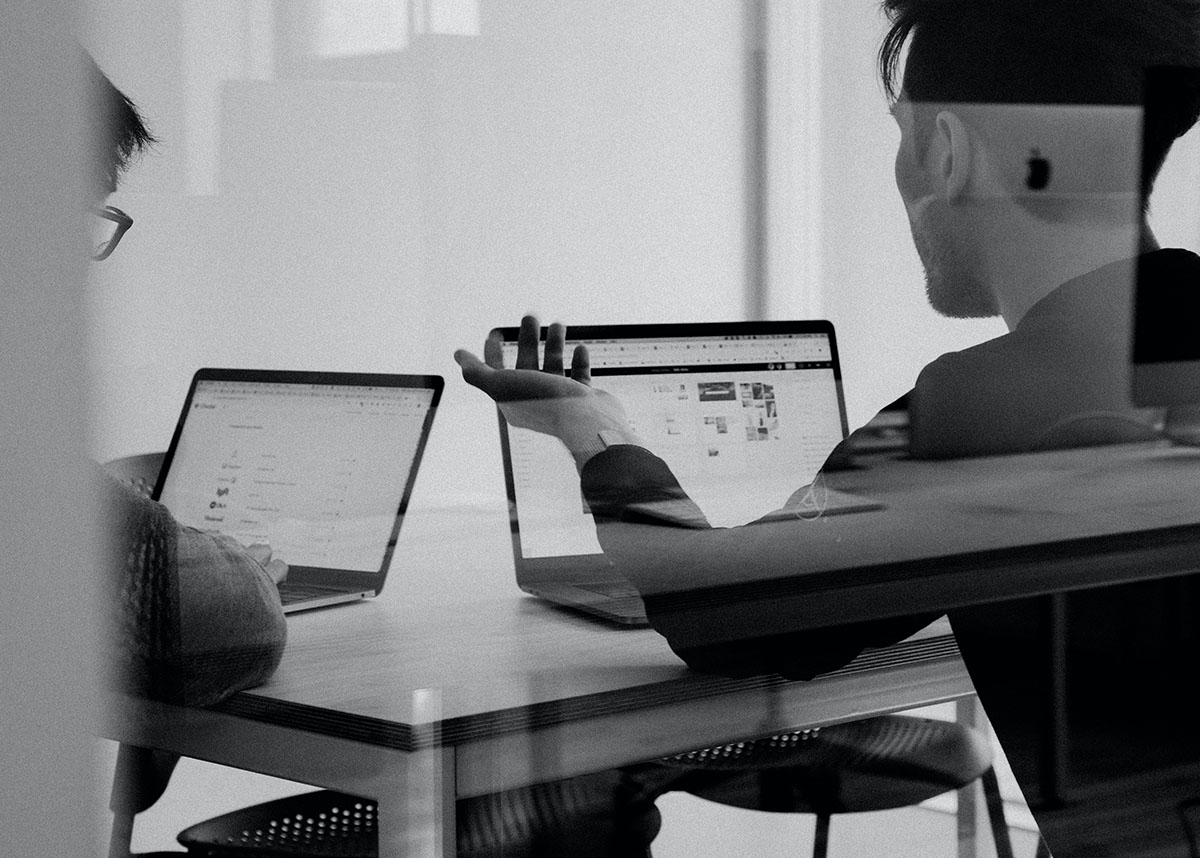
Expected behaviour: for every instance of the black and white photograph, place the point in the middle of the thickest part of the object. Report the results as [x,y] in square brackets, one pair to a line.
[570,428]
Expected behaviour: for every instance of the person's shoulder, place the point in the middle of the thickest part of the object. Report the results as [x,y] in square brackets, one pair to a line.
[977,400]
[966,369]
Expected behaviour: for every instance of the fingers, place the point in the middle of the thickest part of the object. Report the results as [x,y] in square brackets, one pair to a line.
[484,374]
[260,552]
[277,570]
[581,365]
[500,385]
[527,343]
[555,343]
[493,350]
[475,372]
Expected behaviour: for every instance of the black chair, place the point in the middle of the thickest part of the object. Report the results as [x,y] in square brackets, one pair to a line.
[138,471]
[876,764]
[579,817]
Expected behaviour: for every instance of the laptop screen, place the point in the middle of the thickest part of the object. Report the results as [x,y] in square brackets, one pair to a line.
[744,414]
[318,470]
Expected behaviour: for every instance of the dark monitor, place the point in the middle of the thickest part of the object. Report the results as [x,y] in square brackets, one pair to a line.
[1166,312]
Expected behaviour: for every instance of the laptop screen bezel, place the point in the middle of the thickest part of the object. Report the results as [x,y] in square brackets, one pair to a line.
[534,570]
[350,579]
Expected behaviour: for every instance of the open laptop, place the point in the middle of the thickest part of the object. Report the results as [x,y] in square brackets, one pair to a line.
[744,413]
[319,465]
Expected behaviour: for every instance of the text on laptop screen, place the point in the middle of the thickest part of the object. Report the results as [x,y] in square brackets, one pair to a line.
[316,471]
[742,421]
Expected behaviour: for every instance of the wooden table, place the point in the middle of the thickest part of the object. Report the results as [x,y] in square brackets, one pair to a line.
[453,683]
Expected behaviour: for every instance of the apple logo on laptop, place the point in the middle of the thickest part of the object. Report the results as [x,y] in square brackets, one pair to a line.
[1039,171]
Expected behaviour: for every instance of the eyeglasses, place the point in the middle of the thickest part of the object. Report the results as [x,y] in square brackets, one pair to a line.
[108,224]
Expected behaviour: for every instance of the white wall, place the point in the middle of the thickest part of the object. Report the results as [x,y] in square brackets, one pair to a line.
[581,160]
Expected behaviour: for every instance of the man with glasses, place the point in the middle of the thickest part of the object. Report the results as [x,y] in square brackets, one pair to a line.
[194,616]
[108,225]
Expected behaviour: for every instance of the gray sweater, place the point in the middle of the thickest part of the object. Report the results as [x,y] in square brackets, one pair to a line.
[192,618]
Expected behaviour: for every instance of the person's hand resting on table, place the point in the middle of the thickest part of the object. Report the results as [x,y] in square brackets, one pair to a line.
[546,400]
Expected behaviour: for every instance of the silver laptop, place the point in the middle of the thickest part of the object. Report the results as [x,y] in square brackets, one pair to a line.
[319,465]
[743,413]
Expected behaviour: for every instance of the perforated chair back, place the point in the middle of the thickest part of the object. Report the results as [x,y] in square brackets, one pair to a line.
[876,764]
[579,817]
[139,472]
[323,823]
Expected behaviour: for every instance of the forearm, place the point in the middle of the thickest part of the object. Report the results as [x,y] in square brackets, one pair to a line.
[232,628]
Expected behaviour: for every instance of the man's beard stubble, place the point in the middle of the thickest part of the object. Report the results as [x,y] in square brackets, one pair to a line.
[952,288]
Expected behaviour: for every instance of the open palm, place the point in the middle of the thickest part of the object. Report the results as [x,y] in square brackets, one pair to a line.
[544,400]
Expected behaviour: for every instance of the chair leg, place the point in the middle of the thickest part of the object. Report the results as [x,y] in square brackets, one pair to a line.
[995,808]
[140,777]
[821,839]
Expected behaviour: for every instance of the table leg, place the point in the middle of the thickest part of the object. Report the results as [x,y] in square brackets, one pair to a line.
[416,806]
[967,713]
[416,793]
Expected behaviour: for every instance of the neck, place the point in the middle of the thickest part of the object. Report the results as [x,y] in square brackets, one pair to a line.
[1027,264]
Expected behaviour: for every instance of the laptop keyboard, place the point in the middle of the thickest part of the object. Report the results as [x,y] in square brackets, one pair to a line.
[291,593]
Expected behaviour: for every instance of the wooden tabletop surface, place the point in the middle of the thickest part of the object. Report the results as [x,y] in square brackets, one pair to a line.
[451,626]
[452,652]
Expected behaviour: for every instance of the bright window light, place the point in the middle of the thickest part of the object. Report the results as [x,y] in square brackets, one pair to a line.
[347,28]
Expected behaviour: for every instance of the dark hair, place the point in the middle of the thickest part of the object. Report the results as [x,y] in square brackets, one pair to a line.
[1046,52]
[119,132]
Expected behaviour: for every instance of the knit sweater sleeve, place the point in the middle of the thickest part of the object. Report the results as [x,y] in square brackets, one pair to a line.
[193,617]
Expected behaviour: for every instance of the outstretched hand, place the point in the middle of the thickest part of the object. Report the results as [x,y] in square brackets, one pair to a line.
[546,400]
[527,382]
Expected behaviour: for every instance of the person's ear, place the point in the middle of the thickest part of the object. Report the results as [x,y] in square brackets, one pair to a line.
[953,154]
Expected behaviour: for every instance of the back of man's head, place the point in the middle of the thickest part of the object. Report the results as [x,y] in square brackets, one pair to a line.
[1045,52]
[117,133]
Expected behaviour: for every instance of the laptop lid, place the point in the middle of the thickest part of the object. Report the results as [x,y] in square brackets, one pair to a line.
[744,413]
[319,465]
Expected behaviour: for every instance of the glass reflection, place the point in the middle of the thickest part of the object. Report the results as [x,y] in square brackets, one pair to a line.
[380,196]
